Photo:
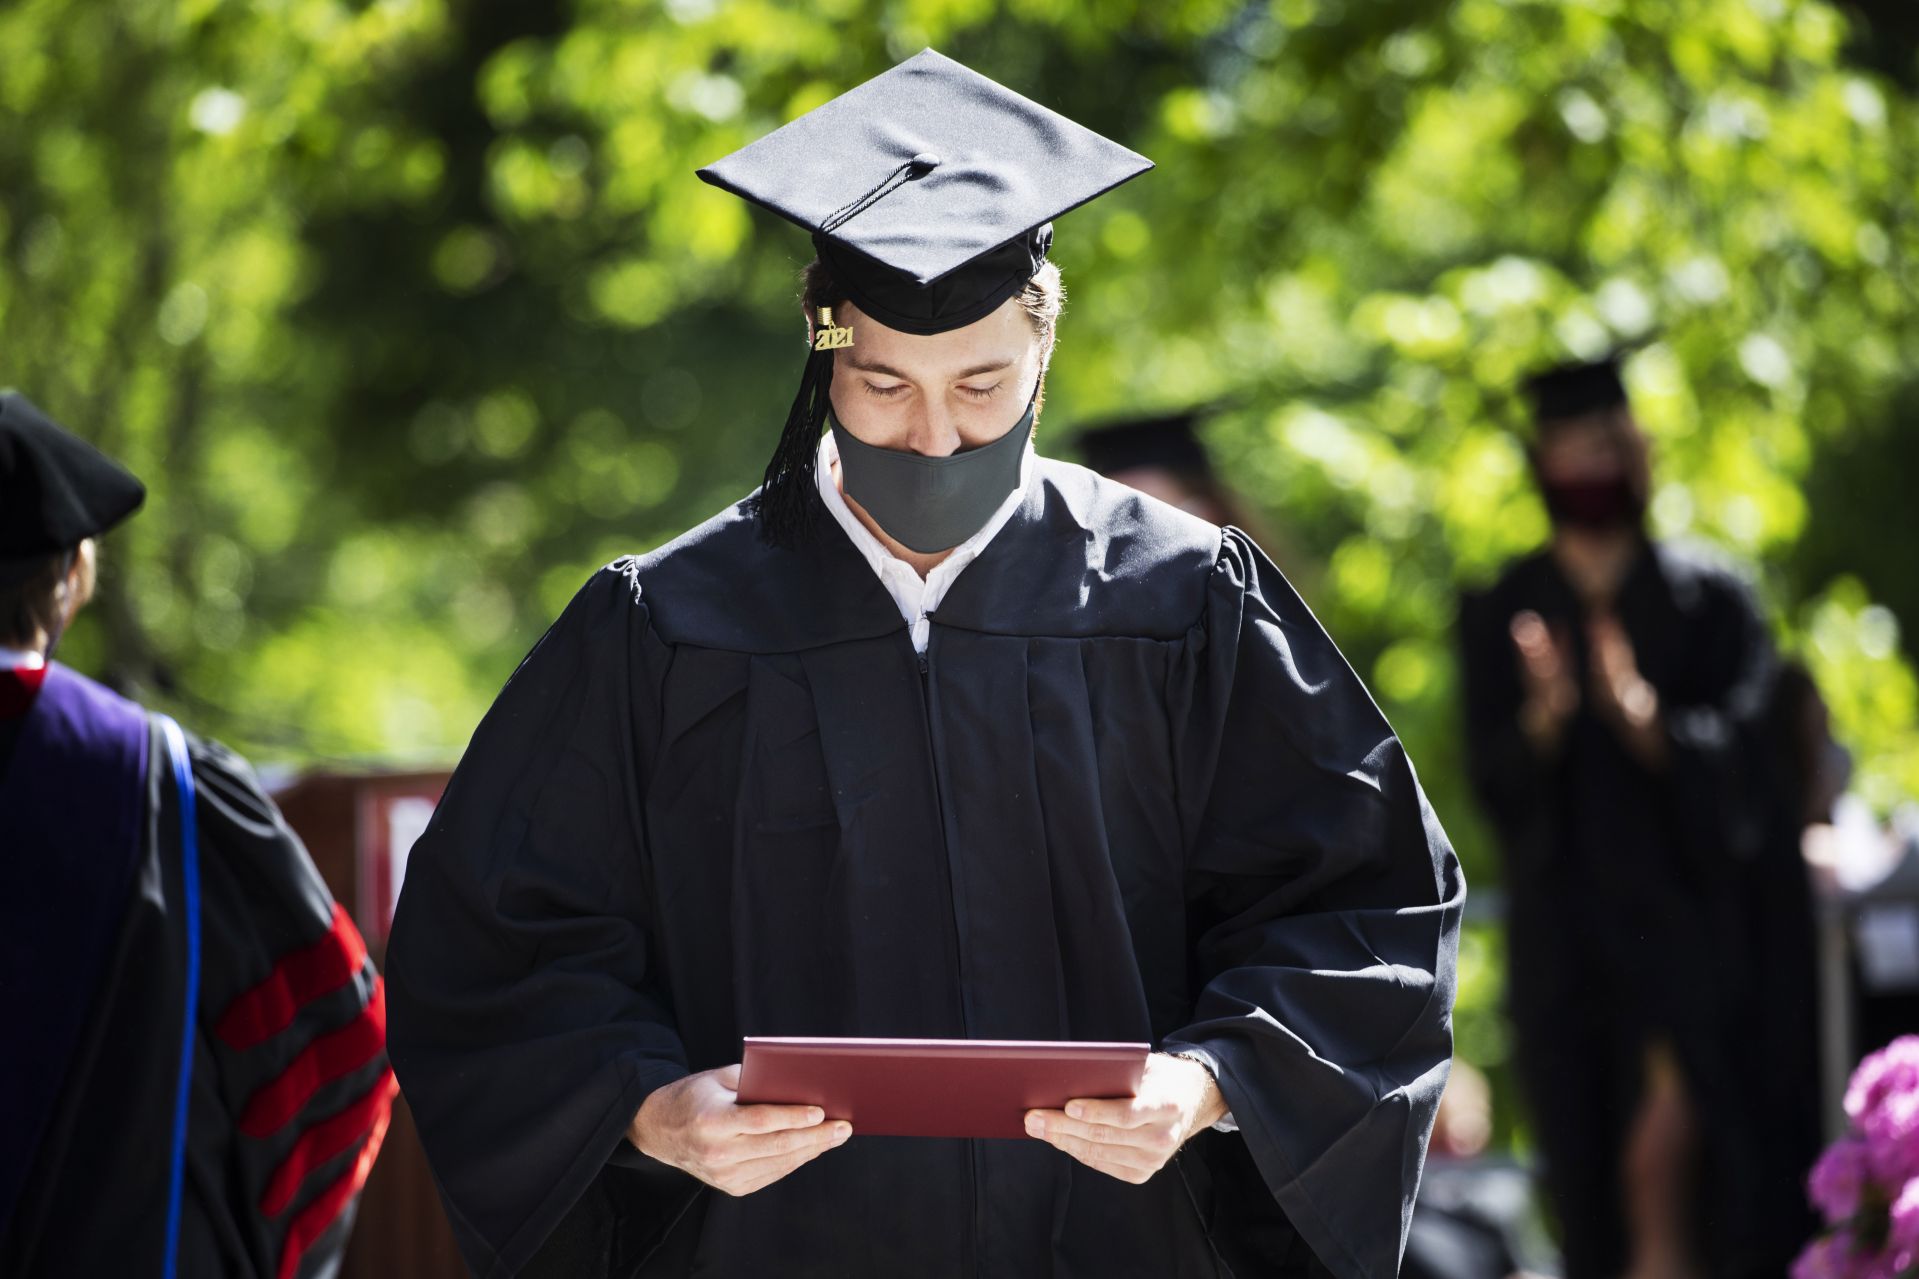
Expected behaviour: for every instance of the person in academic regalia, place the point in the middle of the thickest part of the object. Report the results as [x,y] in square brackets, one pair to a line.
[1616,696]
[929,737]
[1161,455]
[193,1077]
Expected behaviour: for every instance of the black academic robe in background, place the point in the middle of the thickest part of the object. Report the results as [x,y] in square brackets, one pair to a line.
[290,1089]
[1132,792]
[1635,909]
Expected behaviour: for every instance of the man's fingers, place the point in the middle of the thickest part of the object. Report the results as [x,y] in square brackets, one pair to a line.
[1611,656]
[769,1118]
[775,1170]
[1124,1112]
[729,1077]
[1530,634]
[774,1145]
[1538,652]
[1612,652]
[1151,1142]
[757,1174]
[1123,1162]
[1100,1153]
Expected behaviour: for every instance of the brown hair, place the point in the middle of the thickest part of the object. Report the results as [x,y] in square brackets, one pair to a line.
[34,600]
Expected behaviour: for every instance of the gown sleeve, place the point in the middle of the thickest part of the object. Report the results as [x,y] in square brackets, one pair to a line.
[1721,774]
[1324,904]
[291,1091]
[1507,771]
[527,1023]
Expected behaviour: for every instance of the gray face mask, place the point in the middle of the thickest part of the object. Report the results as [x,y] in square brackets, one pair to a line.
[930,504]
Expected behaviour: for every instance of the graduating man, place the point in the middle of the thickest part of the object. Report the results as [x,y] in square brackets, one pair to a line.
[929,738]
[1616,696]
[192,1077]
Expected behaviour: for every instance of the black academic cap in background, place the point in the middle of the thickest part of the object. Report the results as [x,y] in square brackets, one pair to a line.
[56,490]
[1572,390]
[928,189]
[1167,440]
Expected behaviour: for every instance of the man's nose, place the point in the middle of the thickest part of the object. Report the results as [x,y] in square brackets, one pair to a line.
[932,433]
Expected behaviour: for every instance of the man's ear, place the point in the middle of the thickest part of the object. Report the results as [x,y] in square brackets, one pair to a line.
[77,590]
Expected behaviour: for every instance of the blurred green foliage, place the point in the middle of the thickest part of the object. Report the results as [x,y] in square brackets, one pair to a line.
[412,312]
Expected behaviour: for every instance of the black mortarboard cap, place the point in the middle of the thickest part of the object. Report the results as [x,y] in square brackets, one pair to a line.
[1572,390]
[56,490]
[928,189]
[1167,440]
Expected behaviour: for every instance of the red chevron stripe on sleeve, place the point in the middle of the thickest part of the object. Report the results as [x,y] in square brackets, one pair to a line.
[329,1057]
[297,980]
[326,1139]
[312,1221]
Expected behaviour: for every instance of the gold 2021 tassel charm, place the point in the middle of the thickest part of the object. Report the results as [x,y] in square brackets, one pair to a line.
[828,336]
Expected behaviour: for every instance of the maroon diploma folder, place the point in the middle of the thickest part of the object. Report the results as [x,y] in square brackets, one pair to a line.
[936,1087]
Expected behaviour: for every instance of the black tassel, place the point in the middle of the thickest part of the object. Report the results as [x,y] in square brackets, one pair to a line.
[788,503]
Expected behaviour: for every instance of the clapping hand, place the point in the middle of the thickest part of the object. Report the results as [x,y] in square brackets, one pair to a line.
[1623,698]
[1546,672]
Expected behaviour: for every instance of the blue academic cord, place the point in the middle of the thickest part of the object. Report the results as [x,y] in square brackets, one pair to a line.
[190,893]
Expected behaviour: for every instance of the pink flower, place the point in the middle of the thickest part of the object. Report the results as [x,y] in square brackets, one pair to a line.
[1891,1129]
[1838,1181]
[1882,1265]
[1892,1071]
[1904,1234]
[1828,1257]
[1836,1256]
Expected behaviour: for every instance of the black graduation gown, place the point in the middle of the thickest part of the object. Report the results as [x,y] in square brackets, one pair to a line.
[1630,916]
[290,1089]
[1133,792]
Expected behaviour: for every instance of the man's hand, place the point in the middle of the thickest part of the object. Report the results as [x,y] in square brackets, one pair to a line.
[1546,671]
[1622,697]
[1132,1139]
[698,1125]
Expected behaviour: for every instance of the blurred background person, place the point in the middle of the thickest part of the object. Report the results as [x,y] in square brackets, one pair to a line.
[1161,455]
[1862,877]
[1474,1218]
[193,1077]
[1616,691]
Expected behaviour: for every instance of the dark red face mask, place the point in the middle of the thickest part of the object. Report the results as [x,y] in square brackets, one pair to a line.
[1594,504]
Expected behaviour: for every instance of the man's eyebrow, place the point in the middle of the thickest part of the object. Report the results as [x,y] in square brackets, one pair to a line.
[874,366]
[887,370]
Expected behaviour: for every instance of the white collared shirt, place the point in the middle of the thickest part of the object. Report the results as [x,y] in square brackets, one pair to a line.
[19,659]
[915,596]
